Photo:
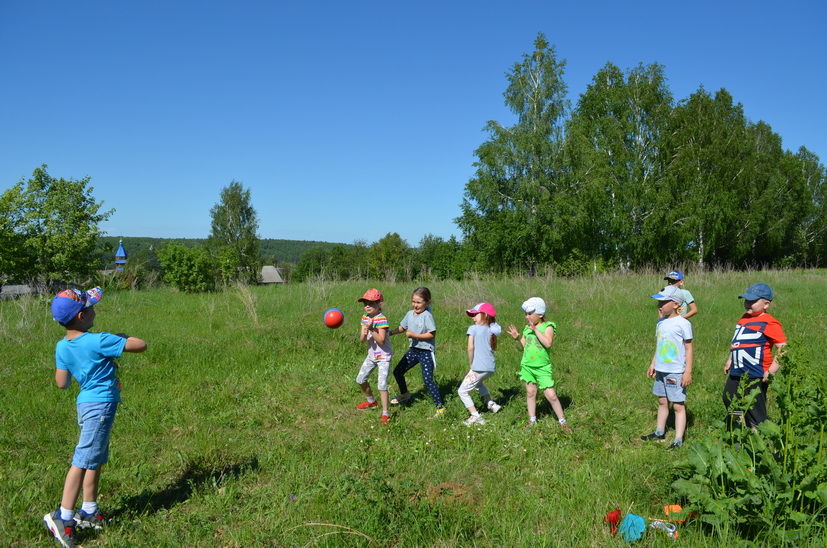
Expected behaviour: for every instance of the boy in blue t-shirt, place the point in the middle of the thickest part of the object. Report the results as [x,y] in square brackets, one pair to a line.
[89,358]
[671,365]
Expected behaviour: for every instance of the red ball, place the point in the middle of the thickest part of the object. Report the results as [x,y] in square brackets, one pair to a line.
[333,318]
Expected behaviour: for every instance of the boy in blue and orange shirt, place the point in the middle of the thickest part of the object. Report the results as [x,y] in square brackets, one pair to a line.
[757,334]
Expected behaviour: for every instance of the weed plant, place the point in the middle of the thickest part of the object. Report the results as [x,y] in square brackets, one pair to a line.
[238,426]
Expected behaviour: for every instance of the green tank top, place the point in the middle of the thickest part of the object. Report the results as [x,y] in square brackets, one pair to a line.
[535,354]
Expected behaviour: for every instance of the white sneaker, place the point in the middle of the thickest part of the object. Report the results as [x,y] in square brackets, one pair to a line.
[493,406]
[474,419]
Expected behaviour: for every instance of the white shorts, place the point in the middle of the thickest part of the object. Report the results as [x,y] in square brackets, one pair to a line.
[367,368]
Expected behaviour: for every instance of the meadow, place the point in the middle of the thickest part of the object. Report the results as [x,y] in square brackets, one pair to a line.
[238,425]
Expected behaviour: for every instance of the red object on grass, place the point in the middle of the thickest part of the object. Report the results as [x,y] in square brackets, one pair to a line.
[613,519]
[333,318]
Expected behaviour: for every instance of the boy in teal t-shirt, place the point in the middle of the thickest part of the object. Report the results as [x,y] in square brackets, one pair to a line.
[89,358]
[535,367]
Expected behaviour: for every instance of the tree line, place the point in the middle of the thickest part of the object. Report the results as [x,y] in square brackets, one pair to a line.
[630,177]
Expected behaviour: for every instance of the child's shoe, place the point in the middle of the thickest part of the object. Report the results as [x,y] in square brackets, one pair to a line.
[530,424]
[493,406]
[89,521]
[63,531]
[385,419]
[474,419]
[400,398]
[439,412]
[653,437]
[366,404]
[675,444]
[566,428]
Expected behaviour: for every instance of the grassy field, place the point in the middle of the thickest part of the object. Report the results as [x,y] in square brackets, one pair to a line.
[238,426]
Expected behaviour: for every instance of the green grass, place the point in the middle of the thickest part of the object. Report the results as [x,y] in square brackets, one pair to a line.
[238,425]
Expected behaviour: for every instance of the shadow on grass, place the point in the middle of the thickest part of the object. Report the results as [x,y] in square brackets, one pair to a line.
[195,476]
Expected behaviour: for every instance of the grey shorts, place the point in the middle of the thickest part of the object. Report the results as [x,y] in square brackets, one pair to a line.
[668,385]
[367,368]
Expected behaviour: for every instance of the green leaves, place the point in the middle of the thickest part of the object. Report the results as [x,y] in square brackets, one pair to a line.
[635,179]
[233,237]
[190,270]
[49,229]
[770,483]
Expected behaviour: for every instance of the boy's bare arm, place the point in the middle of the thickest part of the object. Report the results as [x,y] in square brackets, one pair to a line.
[775,365]
[687,372]
[693,309]
[62,378]
[134,344]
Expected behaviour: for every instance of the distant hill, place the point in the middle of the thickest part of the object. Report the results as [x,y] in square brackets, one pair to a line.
[272,250]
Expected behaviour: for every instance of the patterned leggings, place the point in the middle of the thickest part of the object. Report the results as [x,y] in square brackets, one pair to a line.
[410,360]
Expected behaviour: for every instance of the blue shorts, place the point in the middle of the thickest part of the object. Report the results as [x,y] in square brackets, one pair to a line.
[668,385]
[95,420]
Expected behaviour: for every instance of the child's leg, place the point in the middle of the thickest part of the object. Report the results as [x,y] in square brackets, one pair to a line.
[75,478]
[531,399]
[91,453]
[382,384]
[365,386]
[680,420]
[464,391]
[365,370]
[663,414]
[551,397]
[405,364]
[758,413]
[428,363]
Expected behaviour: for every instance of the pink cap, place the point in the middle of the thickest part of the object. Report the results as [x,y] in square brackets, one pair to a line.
[486,308]
[372,294]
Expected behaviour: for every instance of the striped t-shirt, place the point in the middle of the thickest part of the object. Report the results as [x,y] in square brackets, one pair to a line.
[375,351]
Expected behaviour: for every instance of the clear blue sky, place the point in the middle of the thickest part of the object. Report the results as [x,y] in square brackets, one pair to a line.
[348,120]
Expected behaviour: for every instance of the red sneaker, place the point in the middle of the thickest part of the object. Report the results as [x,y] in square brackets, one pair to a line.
[385,419]
[366,404]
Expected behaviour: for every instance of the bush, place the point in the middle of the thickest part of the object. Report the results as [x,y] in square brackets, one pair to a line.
[188,270]
[768,484]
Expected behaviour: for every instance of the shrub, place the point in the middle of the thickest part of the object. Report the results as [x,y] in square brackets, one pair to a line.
[188,270]
[768,484]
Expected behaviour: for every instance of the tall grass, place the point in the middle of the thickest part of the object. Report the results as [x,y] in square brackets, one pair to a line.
[238,425]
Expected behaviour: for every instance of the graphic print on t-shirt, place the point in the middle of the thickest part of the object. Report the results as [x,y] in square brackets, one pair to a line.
[751,343]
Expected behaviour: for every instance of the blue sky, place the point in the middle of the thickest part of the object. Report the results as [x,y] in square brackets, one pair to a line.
[348,120]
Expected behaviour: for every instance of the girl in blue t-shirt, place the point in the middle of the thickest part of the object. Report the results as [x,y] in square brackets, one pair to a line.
[482,341]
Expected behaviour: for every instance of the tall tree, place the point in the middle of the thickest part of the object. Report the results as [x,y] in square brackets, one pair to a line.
[234,235]
[51,228]
[707,151]
[508,210]
[812,236]
[612,147]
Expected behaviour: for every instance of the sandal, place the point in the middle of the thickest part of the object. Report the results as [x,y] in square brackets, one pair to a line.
[400,398]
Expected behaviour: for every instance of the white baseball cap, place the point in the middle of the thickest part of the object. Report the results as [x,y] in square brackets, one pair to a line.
[535,305]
